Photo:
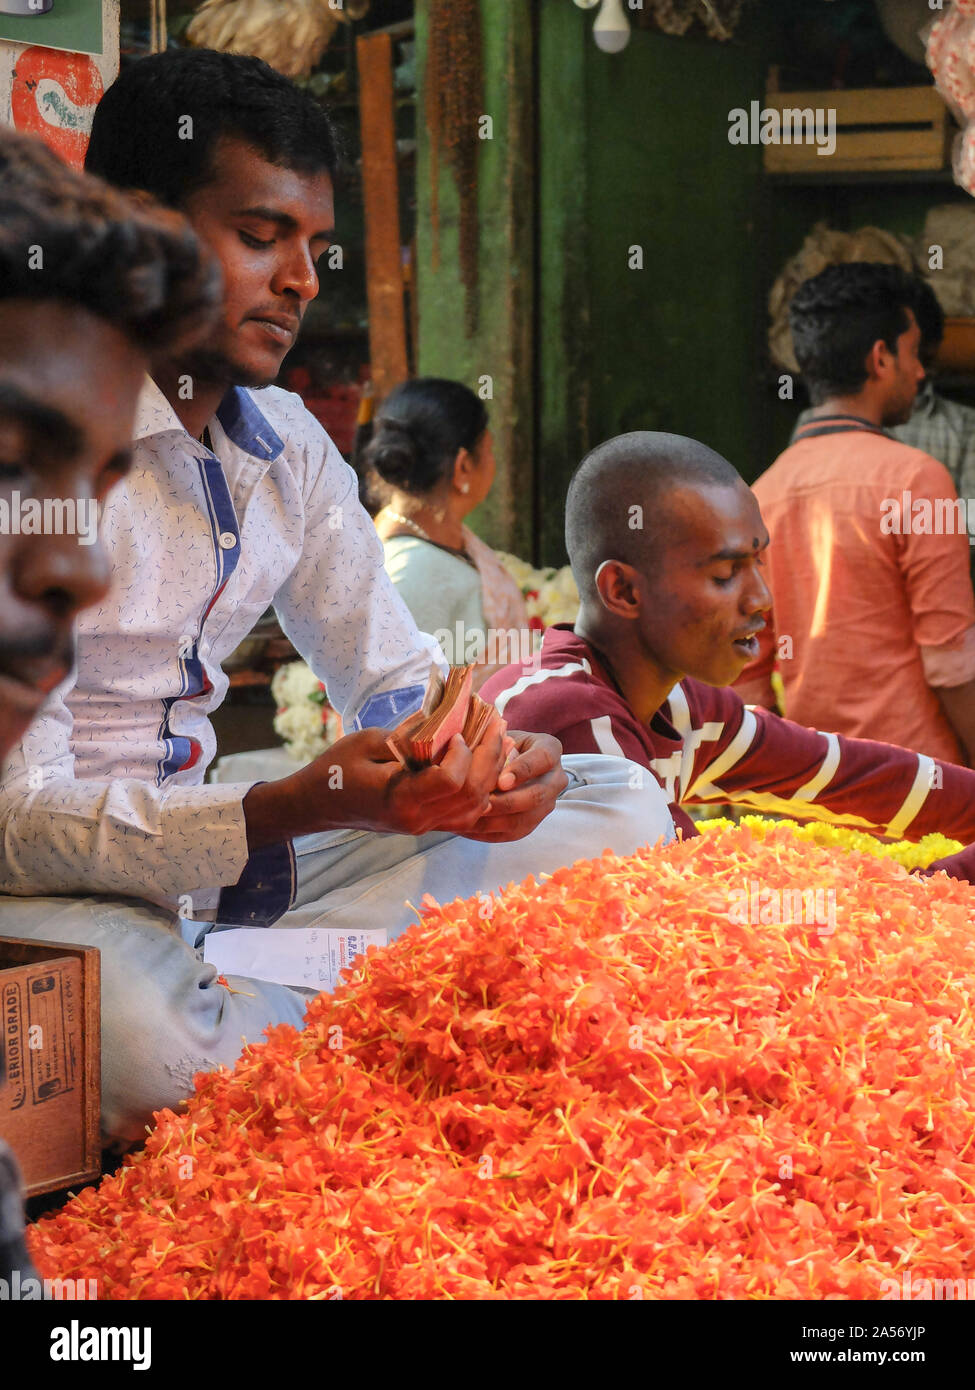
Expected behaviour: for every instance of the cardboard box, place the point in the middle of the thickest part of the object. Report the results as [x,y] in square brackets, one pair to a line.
[50,1079]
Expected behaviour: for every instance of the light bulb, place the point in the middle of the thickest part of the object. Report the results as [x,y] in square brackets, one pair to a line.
[612,28]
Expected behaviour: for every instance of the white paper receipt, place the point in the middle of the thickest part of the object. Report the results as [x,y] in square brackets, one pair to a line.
[308,956]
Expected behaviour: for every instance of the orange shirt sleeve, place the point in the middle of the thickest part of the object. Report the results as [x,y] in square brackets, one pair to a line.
[935,568]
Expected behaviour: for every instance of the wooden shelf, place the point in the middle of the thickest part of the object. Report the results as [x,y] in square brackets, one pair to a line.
[878,177]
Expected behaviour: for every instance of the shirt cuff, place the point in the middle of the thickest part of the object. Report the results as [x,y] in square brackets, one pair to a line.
[205,840]
[951,665]
[960,865]
[389,708]
[265,890]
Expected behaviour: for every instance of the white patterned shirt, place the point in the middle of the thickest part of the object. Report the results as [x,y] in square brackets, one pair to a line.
[106,792]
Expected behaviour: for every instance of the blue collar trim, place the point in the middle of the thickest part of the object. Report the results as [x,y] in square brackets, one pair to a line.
[243,422]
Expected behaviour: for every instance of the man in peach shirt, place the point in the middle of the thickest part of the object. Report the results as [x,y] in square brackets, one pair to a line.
[873,620]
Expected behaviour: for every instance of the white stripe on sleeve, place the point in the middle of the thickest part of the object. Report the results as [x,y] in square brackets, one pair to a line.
[706,784]
[524,682]
[915,798]
[826,773]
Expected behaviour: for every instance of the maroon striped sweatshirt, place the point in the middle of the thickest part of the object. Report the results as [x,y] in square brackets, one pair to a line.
[705,746]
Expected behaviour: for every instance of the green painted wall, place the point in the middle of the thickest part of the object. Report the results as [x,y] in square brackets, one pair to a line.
[594,154]
[501,347]
[627,150]
[566,234]
[673,346]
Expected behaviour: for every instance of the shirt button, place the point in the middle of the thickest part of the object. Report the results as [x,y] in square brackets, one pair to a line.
[227,540]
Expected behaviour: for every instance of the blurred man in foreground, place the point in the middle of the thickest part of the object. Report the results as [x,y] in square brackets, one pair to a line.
[91,288]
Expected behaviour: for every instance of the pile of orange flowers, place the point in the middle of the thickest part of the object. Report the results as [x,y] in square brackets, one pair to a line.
[600,1087]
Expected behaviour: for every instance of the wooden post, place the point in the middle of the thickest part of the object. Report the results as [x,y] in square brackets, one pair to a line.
[380,189]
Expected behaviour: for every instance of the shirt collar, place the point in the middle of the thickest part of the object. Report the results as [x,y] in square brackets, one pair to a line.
[239,416]
[562,639]
[925,400]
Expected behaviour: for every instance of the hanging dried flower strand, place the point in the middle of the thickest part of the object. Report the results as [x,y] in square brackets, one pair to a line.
[454,87]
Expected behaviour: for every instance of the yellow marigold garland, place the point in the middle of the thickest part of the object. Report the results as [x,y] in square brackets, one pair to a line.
[904,852]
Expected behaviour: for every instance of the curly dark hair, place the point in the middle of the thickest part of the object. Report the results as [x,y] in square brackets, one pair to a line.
[65,235]
[838,315]
[158,124]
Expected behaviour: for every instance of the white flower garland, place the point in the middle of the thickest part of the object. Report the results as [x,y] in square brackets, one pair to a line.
[305,720]
[550,594]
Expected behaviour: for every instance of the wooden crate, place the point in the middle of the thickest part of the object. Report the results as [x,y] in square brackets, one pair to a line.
[877,129]
[50,1091]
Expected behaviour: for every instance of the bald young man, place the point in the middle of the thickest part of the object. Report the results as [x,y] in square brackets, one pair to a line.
[666,543]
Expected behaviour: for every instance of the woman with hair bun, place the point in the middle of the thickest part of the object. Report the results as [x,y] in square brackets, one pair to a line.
[432,451]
